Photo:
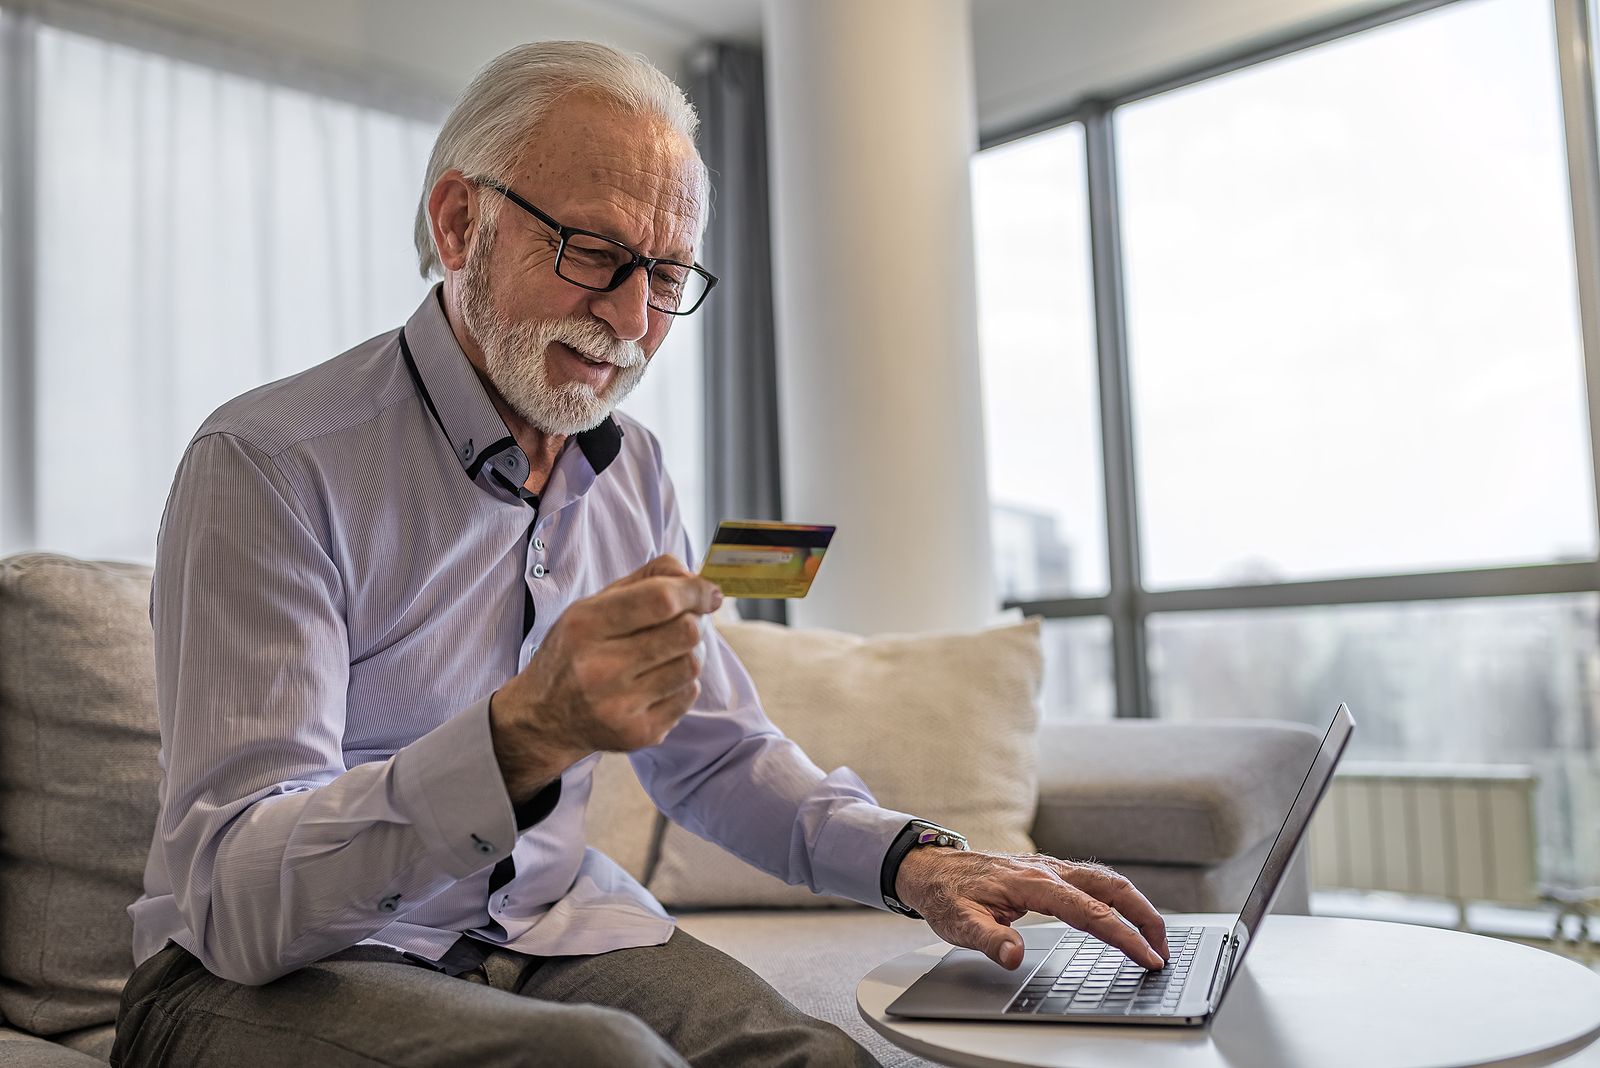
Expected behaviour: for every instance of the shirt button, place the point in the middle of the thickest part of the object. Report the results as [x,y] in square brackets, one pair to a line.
[389,904]
[538,571]
[538,545]
[481,846]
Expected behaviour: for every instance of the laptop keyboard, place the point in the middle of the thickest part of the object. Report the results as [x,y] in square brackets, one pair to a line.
[1084,975]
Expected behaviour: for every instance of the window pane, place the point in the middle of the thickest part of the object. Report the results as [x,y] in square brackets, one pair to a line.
[1352,311]
[1078,681]
[1036,331]
[1500,680]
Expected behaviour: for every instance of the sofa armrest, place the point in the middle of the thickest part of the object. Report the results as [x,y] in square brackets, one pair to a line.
[1154,792]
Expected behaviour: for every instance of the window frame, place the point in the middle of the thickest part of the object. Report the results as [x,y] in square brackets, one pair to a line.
[1128,604]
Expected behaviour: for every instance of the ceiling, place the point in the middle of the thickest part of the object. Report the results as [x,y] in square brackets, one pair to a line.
[738,20]
[1031,57]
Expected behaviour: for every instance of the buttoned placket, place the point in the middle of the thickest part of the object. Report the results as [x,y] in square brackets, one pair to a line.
[506,469]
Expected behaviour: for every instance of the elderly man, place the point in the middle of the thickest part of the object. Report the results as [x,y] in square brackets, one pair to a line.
[404,600]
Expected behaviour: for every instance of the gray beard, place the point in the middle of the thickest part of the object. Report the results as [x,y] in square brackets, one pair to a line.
[514,356]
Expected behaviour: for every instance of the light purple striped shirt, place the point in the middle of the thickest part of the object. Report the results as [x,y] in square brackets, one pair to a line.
[339,587]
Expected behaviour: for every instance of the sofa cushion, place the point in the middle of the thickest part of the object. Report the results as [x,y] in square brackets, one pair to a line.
[1166,793]
[78,745]
[938,725]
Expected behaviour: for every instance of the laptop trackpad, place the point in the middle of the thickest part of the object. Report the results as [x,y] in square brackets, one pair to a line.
[966,979]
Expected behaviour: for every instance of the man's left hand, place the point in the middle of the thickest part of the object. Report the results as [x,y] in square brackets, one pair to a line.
[971,899]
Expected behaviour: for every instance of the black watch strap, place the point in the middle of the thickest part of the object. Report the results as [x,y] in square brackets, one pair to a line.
[913,834]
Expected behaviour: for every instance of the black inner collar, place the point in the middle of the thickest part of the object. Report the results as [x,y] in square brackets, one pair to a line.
[600,446]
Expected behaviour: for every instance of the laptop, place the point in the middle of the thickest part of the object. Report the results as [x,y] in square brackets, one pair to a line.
[1067,976]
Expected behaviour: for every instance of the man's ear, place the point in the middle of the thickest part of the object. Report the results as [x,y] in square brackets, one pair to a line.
[453,215]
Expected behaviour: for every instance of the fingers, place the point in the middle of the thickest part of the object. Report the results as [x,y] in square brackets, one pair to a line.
[642,601]
[1118,892]
[646,650]
[667,679]
[1087,913]
[664,714]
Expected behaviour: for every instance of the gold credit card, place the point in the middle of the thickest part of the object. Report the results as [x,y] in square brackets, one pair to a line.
[750,558]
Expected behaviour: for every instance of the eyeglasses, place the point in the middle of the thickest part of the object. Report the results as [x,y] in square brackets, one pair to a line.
[599,263]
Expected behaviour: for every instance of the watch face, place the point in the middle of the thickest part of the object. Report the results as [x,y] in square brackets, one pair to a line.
[941,836]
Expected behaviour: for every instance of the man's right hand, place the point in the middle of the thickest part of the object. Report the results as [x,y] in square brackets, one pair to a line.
[615,673]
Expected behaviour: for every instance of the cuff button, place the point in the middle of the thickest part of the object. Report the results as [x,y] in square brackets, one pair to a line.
[389,904]
[481,846]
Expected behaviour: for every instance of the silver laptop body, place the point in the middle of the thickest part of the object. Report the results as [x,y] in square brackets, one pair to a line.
[1067,976]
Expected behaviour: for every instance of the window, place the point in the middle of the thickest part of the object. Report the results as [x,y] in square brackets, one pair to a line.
[1036,332]
[1037,345]
[1352,311]
[1360,454]
[1077,669]
[1491,681]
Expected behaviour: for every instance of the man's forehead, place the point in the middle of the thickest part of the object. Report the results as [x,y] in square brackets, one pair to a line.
[610,167]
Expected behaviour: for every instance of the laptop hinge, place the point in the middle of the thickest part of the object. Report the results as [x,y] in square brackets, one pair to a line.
[1219,981]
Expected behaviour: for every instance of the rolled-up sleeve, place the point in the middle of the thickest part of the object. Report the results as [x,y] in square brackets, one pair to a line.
[277,853]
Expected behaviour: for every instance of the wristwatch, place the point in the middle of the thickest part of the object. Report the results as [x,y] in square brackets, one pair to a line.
[916,833]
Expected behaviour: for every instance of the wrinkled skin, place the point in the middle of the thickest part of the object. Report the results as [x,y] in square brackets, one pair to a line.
[971,899]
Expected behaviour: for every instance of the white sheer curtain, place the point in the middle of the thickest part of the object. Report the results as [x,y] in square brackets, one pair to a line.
[201,232]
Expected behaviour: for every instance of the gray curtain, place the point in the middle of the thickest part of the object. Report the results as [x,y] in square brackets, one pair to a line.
[741,375]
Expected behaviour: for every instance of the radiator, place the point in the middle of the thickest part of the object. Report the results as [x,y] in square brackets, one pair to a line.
[1462,832]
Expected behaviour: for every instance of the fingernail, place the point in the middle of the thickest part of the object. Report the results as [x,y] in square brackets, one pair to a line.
[716,599]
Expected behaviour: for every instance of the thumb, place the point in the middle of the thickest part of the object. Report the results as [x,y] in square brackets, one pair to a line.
[668,566]
[997,941]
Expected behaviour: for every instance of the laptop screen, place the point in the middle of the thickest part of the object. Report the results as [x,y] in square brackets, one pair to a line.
[1265,890]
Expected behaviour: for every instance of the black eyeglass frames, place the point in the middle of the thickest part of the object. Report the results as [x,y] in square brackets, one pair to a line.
[600,263]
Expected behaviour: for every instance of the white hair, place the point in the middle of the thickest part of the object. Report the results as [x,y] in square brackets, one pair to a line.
[489,128]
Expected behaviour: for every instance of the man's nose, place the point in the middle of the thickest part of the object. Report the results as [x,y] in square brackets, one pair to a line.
[626,309]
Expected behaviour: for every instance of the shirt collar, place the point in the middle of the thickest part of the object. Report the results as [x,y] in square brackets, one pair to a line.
[453,393]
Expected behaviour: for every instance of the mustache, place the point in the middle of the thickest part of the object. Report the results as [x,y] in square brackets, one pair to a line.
[591,338]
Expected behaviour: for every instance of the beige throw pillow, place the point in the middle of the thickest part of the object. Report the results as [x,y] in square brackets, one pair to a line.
[940,726]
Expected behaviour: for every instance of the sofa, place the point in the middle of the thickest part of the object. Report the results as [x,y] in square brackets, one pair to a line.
[1185,810]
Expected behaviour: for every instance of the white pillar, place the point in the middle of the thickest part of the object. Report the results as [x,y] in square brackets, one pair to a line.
[871,132]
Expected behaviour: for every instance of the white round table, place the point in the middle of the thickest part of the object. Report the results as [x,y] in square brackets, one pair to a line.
[1315,992]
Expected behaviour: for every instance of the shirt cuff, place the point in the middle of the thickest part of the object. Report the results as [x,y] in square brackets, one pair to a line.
[851,847]
[449,783]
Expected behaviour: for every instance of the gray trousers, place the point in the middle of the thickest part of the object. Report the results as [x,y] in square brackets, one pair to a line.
[371,1006]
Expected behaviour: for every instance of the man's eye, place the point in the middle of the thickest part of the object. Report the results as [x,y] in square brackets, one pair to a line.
[593,257]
